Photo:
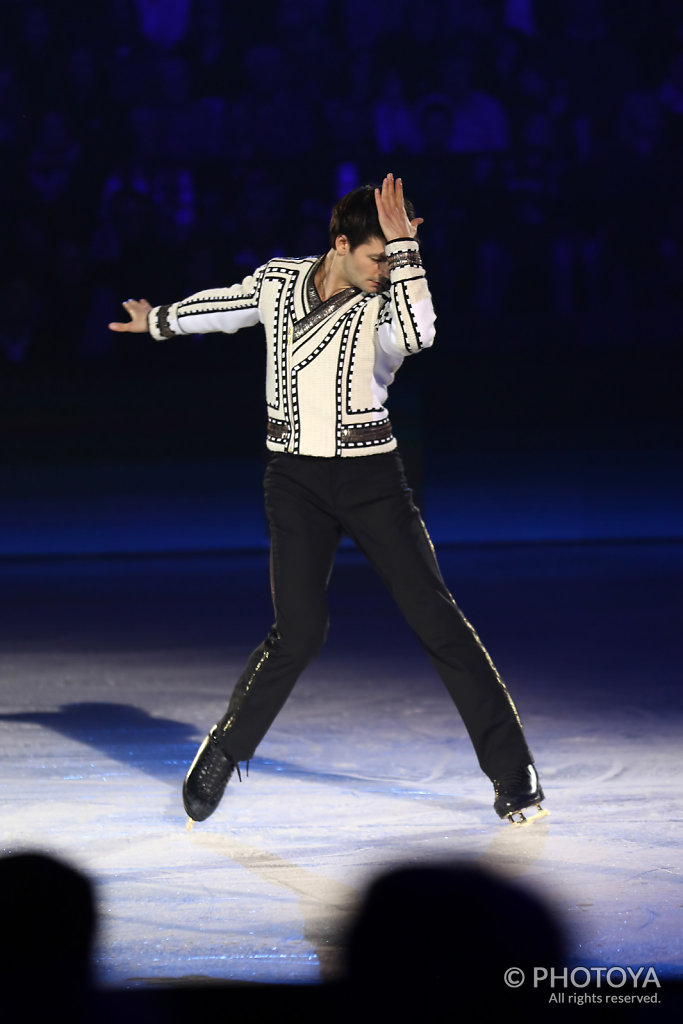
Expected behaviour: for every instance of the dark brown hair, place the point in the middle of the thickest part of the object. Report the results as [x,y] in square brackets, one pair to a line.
[355,215]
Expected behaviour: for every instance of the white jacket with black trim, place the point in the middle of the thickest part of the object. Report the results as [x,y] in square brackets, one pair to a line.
[329,364]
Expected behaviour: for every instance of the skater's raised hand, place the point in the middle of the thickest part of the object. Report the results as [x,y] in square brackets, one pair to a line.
[393,219]
[137,309]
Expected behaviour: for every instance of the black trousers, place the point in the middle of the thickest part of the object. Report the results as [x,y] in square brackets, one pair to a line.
[310,502]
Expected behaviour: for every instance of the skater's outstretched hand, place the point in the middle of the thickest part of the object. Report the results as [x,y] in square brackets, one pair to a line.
[137,309]
[391,211]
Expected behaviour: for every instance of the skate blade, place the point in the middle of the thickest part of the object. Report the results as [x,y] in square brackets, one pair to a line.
[190,824]
[519,818]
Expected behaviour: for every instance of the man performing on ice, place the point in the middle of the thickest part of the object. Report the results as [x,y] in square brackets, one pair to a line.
[337,329]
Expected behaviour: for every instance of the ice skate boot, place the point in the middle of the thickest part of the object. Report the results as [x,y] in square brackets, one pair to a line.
[515,792]
[207,778]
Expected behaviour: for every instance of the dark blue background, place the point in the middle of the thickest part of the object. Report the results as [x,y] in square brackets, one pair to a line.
[154,149]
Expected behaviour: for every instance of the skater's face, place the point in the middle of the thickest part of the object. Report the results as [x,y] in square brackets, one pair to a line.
[366,266]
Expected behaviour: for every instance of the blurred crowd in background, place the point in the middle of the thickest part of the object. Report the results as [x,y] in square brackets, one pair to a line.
[155,147]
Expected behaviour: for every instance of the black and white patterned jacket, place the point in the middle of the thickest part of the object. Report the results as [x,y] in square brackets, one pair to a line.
[329,364]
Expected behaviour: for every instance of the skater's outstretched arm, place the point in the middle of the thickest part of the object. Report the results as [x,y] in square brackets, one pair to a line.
[217,309]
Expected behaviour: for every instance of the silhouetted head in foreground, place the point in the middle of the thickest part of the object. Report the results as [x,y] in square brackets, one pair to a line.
[47,926]
[437,941]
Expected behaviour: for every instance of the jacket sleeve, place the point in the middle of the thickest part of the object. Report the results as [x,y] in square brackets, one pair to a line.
[219,309]
[406,323]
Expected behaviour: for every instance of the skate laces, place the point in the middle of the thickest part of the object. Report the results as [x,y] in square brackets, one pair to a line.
[512,779]
[219,767]
[237,769]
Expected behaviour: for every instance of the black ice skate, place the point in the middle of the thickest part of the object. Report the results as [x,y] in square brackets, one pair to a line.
[207,778]
[515,792]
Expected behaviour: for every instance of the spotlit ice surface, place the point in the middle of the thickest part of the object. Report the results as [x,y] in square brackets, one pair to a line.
[114,669]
